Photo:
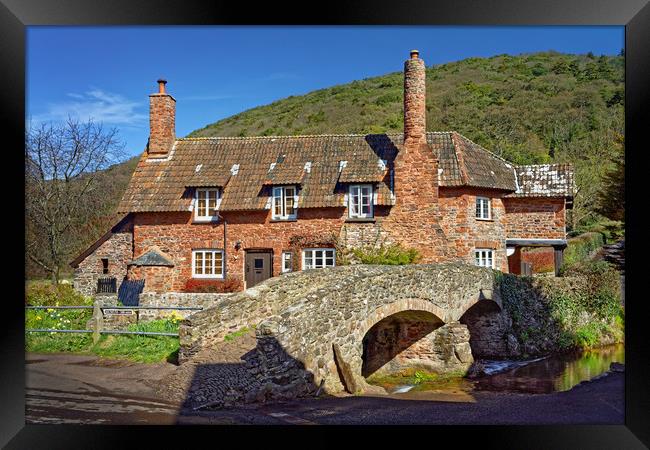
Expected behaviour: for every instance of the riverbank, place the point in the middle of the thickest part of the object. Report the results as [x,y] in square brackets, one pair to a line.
[84,389]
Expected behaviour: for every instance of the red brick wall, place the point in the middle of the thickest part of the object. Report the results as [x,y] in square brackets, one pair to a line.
[162,122]
[542,259]
[157,278]
[176,236]
[535,218]
[464,232]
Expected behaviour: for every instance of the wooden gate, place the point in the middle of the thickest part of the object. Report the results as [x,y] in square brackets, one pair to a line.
[129,293]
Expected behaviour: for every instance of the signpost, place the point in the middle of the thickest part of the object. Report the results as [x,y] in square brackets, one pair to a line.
[118,312]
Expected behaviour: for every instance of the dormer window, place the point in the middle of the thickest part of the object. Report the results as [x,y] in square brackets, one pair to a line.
[207,204]
[483,208]
[285,203]
[360,201]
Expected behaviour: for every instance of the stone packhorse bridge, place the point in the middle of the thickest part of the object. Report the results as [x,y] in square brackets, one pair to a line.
[332,328]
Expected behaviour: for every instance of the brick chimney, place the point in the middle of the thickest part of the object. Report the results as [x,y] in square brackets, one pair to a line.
[415,217]
[162,122]
[414,100]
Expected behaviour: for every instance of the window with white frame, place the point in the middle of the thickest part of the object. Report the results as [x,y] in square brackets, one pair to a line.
[285,202]
[360,201]
[207,203]
[318,258]
[286,262]
[207,264]
[484,257]
[483,209]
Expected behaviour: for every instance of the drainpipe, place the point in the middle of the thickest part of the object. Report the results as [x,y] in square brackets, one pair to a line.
[225,234]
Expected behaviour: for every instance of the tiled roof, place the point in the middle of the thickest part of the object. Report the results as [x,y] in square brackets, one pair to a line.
[545,180]
[246,167]
[151,258]
[481,168]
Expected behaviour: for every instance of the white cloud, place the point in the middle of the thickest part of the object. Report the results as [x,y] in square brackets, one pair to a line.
[98,105]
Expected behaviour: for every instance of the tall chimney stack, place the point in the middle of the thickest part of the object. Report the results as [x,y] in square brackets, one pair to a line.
[162,122]
[414,100]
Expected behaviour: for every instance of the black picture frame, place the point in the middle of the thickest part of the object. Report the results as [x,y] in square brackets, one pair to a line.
[15,15]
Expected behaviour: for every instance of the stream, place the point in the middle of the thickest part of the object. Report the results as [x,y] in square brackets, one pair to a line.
[544,375]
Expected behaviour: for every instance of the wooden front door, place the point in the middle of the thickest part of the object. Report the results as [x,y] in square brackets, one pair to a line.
[258,267]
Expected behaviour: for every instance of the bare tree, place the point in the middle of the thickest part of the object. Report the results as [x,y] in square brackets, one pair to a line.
[61,165]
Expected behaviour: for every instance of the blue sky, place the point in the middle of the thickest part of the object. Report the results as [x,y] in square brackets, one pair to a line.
[214,72]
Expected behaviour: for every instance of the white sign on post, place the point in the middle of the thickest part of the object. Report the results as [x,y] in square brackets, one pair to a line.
[118,312]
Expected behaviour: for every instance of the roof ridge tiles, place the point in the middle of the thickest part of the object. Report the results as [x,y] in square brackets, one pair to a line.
[207,138]
[547,164]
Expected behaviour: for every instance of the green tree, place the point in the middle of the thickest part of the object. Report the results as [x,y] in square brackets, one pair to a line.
[62,166]
[611,197]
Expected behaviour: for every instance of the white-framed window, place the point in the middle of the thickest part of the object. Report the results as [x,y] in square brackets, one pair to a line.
[484,257]
[207,264]
[360,201]
[286,262]
[483,208]
[318,258]
[207,202]
[285,202]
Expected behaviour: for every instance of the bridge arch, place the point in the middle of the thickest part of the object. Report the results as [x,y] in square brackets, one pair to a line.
[395,333]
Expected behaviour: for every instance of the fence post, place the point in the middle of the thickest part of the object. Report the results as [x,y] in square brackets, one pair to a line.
[98,317]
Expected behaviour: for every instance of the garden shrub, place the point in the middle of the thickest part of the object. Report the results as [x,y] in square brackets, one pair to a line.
[44,293]
[580,247]
[577,311]
[392,254]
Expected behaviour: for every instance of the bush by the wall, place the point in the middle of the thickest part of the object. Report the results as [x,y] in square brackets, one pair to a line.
[579,248]
[45,293]
[579,310]
[392,254]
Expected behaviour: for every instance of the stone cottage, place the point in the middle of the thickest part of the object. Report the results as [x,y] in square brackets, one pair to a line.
[229,212]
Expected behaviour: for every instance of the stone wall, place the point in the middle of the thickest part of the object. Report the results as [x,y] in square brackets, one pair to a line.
[535,218]
[488,329]
[167,299]
[186,299]
[118,249]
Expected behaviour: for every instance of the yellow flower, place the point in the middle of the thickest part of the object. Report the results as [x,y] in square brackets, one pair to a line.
[50,310]
[38,317]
